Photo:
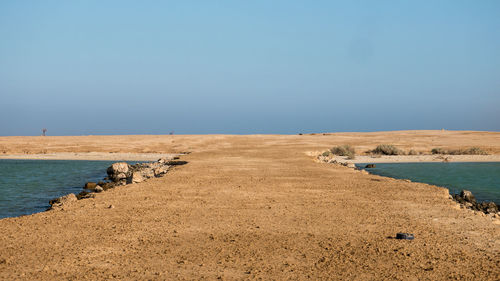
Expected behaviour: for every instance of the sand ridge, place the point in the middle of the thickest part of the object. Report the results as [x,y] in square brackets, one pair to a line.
[257,207]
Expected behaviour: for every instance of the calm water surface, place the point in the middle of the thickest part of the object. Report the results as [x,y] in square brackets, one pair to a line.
[483,179]
[27,186]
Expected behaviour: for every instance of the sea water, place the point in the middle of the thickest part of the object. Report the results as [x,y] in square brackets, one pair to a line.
[27,186]
[482,179]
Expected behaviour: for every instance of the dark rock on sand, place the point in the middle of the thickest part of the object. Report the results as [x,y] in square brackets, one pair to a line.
[405,236]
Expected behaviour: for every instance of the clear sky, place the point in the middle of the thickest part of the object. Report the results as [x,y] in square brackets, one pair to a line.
[245,67]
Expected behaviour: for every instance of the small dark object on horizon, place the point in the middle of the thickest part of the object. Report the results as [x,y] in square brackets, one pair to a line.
[370,166]
[44,131]
[405,236]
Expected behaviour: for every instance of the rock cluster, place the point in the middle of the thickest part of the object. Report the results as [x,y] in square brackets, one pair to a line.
[120,173]
[467,199]
[332,160]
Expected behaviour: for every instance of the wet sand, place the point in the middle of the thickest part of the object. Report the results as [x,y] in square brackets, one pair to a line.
[250,207]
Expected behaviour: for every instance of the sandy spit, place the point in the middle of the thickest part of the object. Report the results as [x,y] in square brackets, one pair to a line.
[254,207]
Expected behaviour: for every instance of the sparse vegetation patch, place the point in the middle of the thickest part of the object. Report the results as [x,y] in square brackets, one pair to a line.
[387,149]
[344,150]
[460,151]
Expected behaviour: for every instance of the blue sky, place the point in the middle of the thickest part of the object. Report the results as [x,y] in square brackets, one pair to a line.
[245,67]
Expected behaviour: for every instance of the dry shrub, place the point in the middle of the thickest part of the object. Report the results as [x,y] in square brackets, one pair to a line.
[412,152]
[344,150]
[467,151]
[387,149]
[438,150]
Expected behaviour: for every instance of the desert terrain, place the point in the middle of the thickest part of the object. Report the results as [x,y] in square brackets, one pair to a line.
[255,207]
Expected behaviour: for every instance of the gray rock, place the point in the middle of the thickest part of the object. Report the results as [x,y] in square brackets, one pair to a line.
[490,207]
[63,200]
[147,173]
[98,189]
[119,177]
[85,195]
[120,167]
[160,171]
[467,196]
[137,177]
[90,185]
[118,171]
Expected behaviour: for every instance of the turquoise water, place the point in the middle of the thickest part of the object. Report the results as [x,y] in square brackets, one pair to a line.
[27,186]
[482,179]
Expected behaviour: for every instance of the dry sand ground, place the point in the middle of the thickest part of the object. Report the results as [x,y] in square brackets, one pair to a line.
[254,207]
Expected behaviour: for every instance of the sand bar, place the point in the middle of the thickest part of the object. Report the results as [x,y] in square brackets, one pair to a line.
[424,158]
[90,156]
[250,207]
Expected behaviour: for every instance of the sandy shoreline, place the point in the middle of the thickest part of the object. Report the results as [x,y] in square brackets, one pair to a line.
[90,156]
[424,158]
[250,207]
[155,156]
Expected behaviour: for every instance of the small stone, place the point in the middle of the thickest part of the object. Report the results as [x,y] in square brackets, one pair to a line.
[85,195]
[164,160]
[467,196]
[111,207]
[158,172]
[64,199]
[137,177]
[98,189]
[147,173]
[90,185]
[119,177]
